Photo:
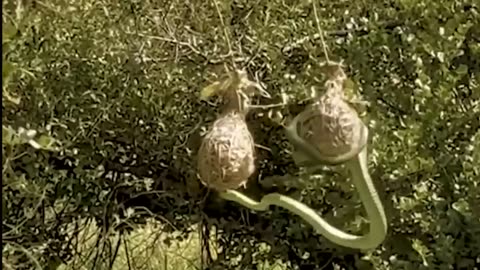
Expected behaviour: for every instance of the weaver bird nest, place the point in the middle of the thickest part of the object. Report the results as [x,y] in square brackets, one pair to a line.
[330,124]
[226,156]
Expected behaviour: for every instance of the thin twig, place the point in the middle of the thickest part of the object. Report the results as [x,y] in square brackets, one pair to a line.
[225,33]
[269,106]
[320,32]
[115,253]
[127,256]
[263,147]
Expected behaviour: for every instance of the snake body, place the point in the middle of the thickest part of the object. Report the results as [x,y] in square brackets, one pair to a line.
[368,195]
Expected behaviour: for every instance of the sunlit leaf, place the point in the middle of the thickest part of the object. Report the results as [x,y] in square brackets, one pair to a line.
[461,206]
[46,142]
[7,135]
[210,90]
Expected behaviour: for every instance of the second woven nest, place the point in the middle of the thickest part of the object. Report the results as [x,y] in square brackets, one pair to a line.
[330,124]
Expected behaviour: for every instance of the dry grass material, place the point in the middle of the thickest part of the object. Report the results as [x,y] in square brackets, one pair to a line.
[226,158]
[330,123]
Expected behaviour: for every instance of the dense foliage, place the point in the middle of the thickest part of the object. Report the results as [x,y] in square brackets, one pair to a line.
[102,121]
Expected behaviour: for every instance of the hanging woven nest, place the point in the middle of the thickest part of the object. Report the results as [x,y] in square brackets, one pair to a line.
[331,125]
[226,155]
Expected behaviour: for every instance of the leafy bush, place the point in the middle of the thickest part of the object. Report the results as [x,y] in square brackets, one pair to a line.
[101,121]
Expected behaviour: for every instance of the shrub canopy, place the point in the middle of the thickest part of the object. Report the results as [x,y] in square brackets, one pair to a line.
[102,121]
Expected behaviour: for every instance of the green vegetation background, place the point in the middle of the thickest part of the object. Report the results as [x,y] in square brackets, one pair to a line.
[101,122]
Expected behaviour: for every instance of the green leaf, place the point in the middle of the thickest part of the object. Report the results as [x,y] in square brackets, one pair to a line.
[34,144]
[462,70]
[7,71]
[421,249]
[13,99]
[8,31]
[210,90]
[462,207]
[46,142]
[7,135]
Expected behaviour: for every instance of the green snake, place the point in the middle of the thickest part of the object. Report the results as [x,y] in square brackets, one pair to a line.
[356,162]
